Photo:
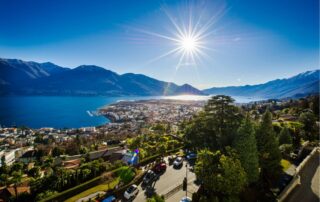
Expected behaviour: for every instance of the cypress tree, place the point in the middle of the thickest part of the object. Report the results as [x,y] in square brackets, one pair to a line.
[285,137]
[246,145]
[268,147]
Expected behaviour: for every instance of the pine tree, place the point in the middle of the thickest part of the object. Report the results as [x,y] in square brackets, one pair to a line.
[221,175]
[285,137]
[268,147]
[246,145]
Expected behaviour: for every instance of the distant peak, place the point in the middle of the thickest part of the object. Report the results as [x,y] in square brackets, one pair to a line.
[89,67]
[187,86]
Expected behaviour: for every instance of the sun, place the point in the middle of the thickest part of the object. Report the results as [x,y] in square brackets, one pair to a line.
[188,43]
[190,35]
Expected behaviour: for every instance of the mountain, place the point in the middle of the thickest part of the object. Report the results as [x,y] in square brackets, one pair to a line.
[19,77]
[297,86]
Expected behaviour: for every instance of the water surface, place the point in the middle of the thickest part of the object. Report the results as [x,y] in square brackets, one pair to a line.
[64,111]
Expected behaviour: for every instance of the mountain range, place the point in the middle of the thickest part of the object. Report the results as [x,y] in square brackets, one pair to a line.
[300,85]
[19,77]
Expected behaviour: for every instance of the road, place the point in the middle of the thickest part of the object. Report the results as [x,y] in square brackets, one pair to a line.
[169,183]
[309,190]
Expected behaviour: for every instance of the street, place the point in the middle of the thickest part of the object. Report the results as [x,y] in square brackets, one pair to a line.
[169,184]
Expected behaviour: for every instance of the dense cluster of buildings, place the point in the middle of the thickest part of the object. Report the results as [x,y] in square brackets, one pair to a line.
[142,112]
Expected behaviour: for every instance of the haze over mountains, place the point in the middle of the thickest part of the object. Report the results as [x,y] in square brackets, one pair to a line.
[19,77]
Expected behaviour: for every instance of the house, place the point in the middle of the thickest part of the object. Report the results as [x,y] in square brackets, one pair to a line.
[9,156]
[7,192]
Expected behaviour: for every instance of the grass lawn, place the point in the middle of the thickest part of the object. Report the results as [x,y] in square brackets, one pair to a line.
[100,187]
[285,164]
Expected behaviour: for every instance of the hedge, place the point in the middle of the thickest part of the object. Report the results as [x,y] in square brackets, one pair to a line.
[154,157]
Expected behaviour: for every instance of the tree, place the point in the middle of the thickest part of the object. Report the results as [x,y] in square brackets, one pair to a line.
[315,105]
[246,145]
[17,166]
[35,172]
[4,179]
[309,125]
[4,167]
[156,198]
[57,151]
[284,136]
[268,147]
[216,126]
[16,180]
[221,175]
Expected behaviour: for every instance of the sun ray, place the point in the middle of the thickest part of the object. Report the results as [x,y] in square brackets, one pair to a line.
[191,34]
[163,55]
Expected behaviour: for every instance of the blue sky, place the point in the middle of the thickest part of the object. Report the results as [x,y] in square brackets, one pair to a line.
[249,42]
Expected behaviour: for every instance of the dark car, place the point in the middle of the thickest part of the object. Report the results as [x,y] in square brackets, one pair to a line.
[191,156]
[160,168]
[149,177]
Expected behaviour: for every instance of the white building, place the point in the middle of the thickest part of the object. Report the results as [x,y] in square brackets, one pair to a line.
[9,156]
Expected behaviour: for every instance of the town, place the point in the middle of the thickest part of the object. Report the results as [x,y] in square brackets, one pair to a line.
[96,163]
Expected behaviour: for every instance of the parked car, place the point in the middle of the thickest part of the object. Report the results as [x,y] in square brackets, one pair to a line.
[131,192]
[178,162]
[109,199]
[149,177]
[160,167]
[191,156]
[186,199]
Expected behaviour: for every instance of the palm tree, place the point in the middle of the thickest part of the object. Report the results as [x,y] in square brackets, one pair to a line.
[16,180]
[4,178]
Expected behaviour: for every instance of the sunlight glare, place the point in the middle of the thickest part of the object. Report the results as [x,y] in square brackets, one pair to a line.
[188,44]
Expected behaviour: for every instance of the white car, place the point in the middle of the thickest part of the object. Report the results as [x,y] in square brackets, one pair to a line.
[178,162]
[186,199]
[131,191]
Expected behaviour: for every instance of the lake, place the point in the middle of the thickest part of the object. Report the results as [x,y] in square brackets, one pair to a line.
[64,111]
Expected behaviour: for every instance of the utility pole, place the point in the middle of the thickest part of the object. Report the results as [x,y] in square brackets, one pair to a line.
[186,179]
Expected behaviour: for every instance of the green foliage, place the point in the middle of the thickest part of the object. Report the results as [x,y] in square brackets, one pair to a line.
[156,198]
[285,150]
[308,120]
[246,146]
[285,137]
[152,144]
[45,194]
[269,153]
[126,174]
[34,172]
[4,179]
[57,151]
[216,126]
[221,174]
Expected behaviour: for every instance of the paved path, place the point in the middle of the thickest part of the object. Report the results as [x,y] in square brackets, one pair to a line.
[309,190]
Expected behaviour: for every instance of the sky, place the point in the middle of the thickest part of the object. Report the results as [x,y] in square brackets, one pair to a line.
[234,42]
